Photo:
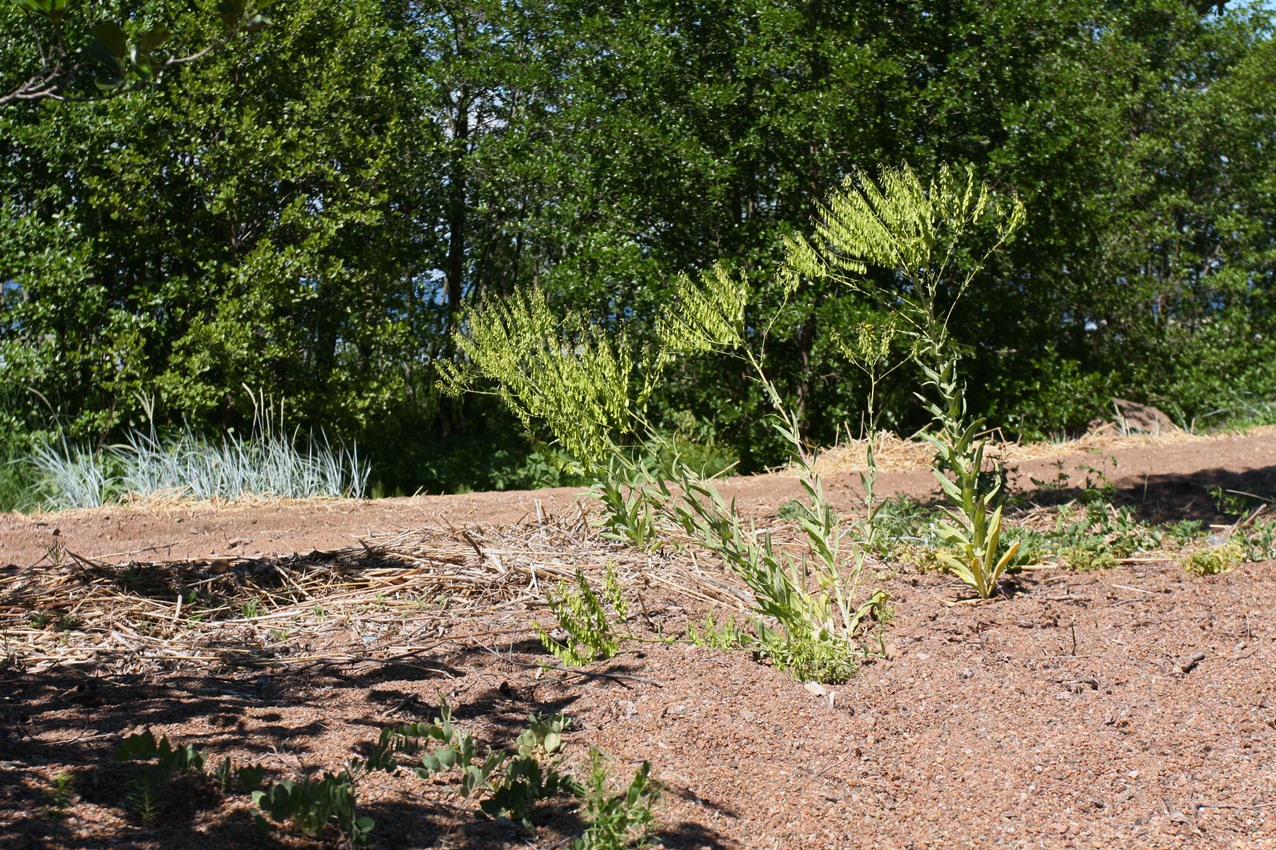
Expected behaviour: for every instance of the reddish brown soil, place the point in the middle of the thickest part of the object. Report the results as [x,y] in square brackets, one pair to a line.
[1128,708]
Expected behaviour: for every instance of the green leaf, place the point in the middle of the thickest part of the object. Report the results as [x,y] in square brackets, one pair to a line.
[139,747]
[153,39]
[144,67]
[111,37]
[103,54]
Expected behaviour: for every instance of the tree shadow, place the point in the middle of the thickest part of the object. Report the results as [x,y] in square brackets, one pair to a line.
[1170,498]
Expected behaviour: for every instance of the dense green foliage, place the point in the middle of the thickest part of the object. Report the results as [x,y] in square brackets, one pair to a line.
[305,213]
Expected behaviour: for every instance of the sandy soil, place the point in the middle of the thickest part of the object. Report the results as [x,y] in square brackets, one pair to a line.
[1133,707]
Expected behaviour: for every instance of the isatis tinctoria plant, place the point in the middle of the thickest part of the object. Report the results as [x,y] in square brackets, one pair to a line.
[587,387]
[924,232]
[586,384]
[585,618]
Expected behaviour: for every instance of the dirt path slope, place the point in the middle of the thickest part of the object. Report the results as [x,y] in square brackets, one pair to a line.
[1171,474]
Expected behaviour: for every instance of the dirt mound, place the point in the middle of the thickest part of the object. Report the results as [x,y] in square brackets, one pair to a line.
[1132,707]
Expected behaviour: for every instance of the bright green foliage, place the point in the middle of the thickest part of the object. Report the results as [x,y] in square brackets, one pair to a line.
[585,383]
[628,514]
[617,821]
[915,228]
[1102,536]
[869,350]
[1216,560]
[918,230]
[813,600]
[129,55]
[529,777]
[719,635]
[218,231]
[510,785]
[587,619]
[704,317]
[310,210]
[575,379]
[819,627]
[813,633]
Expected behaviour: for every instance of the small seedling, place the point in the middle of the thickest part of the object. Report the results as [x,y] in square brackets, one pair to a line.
[1260,542]
[719,635]
[62,622]
[791,510]
[1186,530]
[509,785]
[1097,487]
[146,792]
[247,778]
[311,805]
[628,515]
[585,620]
[1059,482]
[1233,502]
[1216,560]
[60,795]
[530,777]
[617,821]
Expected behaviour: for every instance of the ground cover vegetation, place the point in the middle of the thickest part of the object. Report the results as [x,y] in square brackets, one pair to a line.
[306,211]
[614,222]
[510,784]
[396,596]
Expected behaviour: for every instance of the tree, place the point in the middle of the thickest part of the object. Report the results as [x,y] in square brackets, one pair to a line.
[221,231]
[308,219]
[123,59]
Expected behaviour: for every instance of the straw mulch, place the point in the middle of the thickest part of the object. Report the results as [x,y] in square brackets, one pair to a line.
[897,454]
[390,599]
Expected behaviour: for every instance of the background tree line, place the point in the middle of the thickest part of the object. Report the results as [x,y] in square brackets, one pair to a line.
[306,212]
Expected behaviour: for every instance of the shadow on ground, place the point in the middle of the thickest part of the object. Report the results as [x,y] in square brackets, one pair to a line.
[1207,496]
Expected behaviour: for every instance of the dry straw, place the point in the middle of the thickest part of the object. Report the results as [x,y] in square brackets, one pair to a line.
[896,454]
[391,598]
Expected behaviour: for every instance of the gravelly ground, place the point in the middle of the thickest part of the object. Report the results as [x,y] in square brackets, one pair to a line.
[1133,707]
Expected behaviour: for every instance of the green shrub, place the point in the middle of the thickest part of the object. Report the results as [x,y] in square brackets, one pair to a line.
[1216,560]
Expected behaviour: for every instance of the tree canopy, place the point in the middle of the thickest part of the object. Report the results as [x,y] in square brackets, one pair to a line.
[304,212]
